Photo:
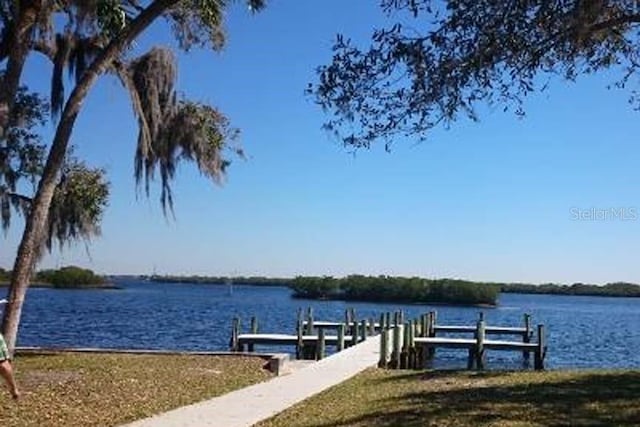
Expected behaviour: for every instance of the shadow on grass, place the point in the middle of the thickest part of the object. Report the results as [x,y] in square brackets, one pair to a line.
[20,356]
[589,400]
[440,373]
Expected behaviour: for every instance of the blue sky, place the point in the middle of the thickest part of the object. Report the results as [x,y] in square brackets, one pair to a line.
[493,200]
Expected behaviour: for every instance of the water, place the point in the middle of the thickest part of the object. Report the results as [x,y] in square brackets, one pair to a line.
[582,332]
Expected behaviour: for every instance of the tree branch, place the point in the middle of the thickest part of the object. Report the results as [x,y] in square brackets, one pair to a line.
[615,22]
[22,197]
[47,49]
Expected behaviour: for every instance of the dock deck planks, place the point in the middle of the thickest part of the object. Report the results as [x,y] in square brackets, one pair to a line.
[286,339]
[495,330]
[442,342]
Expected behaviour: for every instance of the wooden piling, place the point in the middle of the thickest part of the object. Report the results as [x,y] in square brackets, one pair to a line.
[404,353]
[426,351]
[354,320]
[348,320]
[300,343]
[340,344]
[420,350]
[382,322]
[434,322]
[321,345]
[480,354]
[526,337]
[412,347]
[427,325]
[309,350]
[254,330]
[395,354]
[372,326]
[384,347]
[363,329]
[235,331]
[432,332]
[540,350]
[310,326]
[354,332]
[423,325]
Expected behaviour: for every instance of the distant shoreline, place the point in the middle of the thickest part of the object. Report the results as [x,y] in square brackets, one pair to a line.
[67,277]
[204,280]
[614,290]
[399,301]
[561,294]
[102,286]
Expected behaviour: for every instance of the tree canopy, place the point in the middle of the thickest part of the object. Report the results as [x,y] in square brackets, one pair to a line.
[91,38]
[439,59]
[81,191]
[71,276]
[73,34]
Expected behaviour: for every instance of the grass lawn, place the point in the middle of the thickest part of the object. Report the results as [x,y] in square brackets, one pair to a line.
[409,398]
[110,389]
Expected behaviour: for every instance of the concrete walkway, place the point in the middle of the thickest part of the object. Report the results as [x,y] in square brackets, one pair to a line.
[247,406]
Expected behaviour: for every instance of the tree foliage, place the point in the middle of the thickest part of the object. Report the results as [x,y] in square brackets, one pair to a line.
[21,153]
[72,33]
[5,275]
[441,58]
[222,280]
[81,192]
[171,129]
[614,289]
[70,277]
[78,204]
[396,289]
[91,38]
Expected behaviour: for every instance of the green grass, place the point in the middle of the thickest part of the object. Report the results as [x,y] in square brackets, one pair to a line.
[111,389]
[378,398]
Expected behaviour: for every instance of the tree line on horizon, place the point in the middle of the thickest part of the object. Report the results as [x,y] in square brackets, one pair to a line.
[220,280]
[65,277]
[614,289]
[324,286]
[396,289]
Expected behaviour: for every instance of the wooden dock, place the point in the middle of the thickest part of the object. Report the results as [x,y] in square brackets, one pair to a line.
[323,324]
[310,340]
[403,344]
[284,339]
[412,344]
[495,330]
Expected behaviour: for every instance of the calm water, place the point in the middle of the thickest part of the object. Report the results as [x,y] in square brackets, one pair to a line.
[582,332]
